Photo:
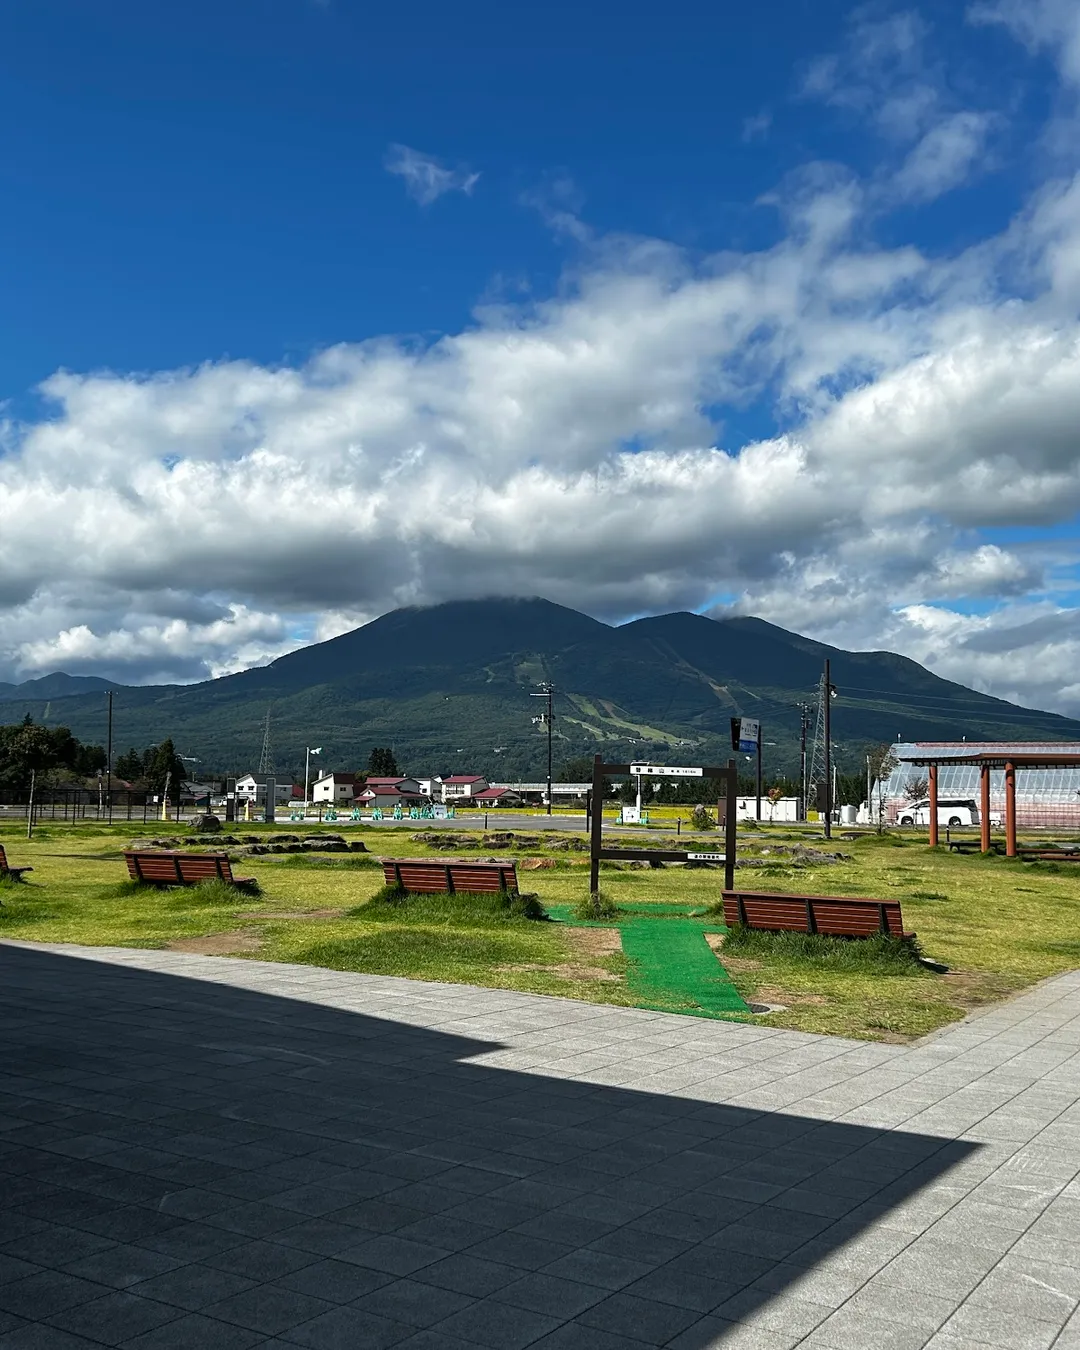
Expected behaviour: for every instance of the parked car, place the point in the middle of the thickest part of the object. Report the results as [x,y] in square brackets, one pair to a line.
[955,812]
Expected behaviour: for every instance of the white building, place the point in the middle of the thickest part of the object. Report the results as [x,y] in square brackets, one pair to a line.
[462,787]
[334,789]
[785,808]
[252,788]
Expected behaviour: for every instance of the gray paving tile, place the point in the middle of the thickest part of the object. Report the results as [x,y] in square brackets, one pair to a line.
[261,1260]
[643,1319]
[268,1308]
[194,1330]
[50,1291]
[115,1318]
[348,1328]
[193,1286]
[414,1303]
[497,1325]
[335,1281]
[39,1336]
[590,1266]
[549,1294]
[468,1274]
[122,1266]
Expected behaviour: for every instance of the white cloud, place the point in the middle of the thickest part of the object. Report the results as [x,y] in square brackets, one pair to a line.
[426,180]
[944,158]
[756,128]
[1043,25]
[195,521]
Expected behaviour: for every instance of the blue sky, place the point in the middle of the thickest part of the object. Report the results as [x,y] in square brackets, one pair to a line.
[476,258]
[206,180]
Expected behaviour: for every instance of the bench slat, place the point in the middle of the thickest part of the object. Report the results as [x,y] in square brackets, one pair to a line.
[171,868]
[430,876]
[7,869]
[833,915]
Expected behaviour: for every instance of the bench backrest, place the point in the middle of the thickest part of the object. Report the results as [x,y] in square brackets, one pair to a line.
[3,859]
[431,875]
[835,915]
[177,869]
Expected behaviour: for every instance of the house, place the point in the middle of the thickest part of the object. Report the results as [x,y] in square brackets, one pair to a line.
[497,796]
[386,793]
[252,788]
[461,788]
[334,789]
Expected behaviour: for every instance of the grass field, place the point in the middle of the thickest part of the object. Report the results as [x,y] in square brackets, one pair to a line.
[997,925]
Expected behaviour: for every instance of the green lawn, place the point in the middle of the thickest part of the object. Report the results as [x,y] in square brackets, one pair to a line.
[998,925]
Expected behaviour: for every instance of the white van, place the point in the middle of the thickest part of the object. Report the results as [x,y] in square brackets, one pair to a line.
[952,811]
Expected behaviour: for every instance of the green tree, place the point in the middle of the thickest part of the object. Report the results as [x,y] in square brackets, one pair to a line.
[24,750]
[381,763]
[129,766]
[166,766]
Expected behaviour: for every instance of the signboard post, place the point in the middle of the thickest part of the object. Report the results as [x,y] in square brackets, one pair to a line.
[746,736]
[728,773]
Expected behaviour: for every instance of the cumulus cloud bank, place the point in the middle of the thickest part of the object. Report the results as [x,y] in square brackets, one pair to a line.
[196,521]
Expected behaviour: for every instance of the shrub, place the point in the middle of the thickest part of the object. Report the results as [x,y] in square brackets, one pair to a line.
[702,819]
[442,907]
[595,907]
[880,954]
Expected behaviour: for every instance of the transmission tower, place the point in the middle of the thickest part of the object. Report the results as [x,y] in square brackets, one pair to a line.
[266,758]
[816,773]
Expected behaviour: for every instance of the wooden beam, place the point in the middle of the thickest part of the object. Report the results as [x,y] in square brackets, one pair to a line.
[984,807]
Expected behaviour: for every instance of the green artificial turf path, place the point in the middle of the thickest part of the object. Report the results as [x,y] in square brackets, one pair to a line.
[671,967]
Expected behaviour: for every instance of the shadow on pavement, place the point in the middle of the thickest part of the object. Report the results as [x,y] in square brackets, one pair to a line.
[185,1162]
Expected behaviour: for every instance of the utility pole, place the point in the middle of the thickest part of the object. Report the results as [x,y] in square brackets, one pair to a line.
[108,760]
[804,720]
[828,752]
[760,734]
[547,689]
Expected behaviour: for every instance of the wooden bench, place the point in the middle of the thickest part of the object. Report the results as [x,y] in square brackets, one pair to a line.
[833,915]
[433,875]
[170,867]
[974,846]
[1048,854]
[6,870]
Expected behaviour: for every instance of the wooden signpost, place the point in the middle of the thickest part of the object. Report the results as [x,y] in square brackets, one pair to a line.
[597,850]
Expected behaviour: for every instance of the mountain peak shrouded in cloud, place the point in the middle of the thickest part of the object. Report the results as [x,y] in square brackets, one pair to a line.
[842,396]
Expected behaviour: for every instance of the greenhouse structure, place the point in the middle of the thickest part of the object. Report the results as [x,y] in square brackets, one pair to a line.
[1045,795]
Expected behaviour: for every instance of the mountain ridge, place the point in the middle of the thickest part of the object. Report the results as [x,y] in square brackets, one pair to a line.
[448,686]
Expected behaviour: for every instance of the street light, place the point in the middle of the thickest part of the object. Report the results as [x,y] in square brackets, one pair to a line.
[308,752]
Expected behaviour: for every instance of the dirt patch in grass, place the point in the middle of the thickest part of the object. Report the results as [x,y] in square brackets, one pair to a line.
[218,944]
[769,993]
[587,945]
[594,941]
[974,989]
[736,964]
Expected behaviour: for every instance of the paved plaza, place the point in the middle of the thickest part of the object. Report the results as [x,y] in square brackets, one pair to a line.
[203,1152]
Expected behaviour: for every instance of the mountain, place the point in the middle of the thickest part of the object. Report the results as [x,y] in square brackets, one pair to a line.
[448,687]
[57,685]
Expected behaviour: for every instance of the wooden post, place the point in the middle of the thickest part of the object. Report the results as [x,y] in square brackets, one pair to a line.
[597,823]
[730,826]
[1010,810]
[933,806]
[984,807]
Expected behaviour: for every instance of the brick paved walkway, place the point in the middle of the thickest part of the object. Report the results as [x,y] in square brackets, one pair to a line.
[198,1152]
